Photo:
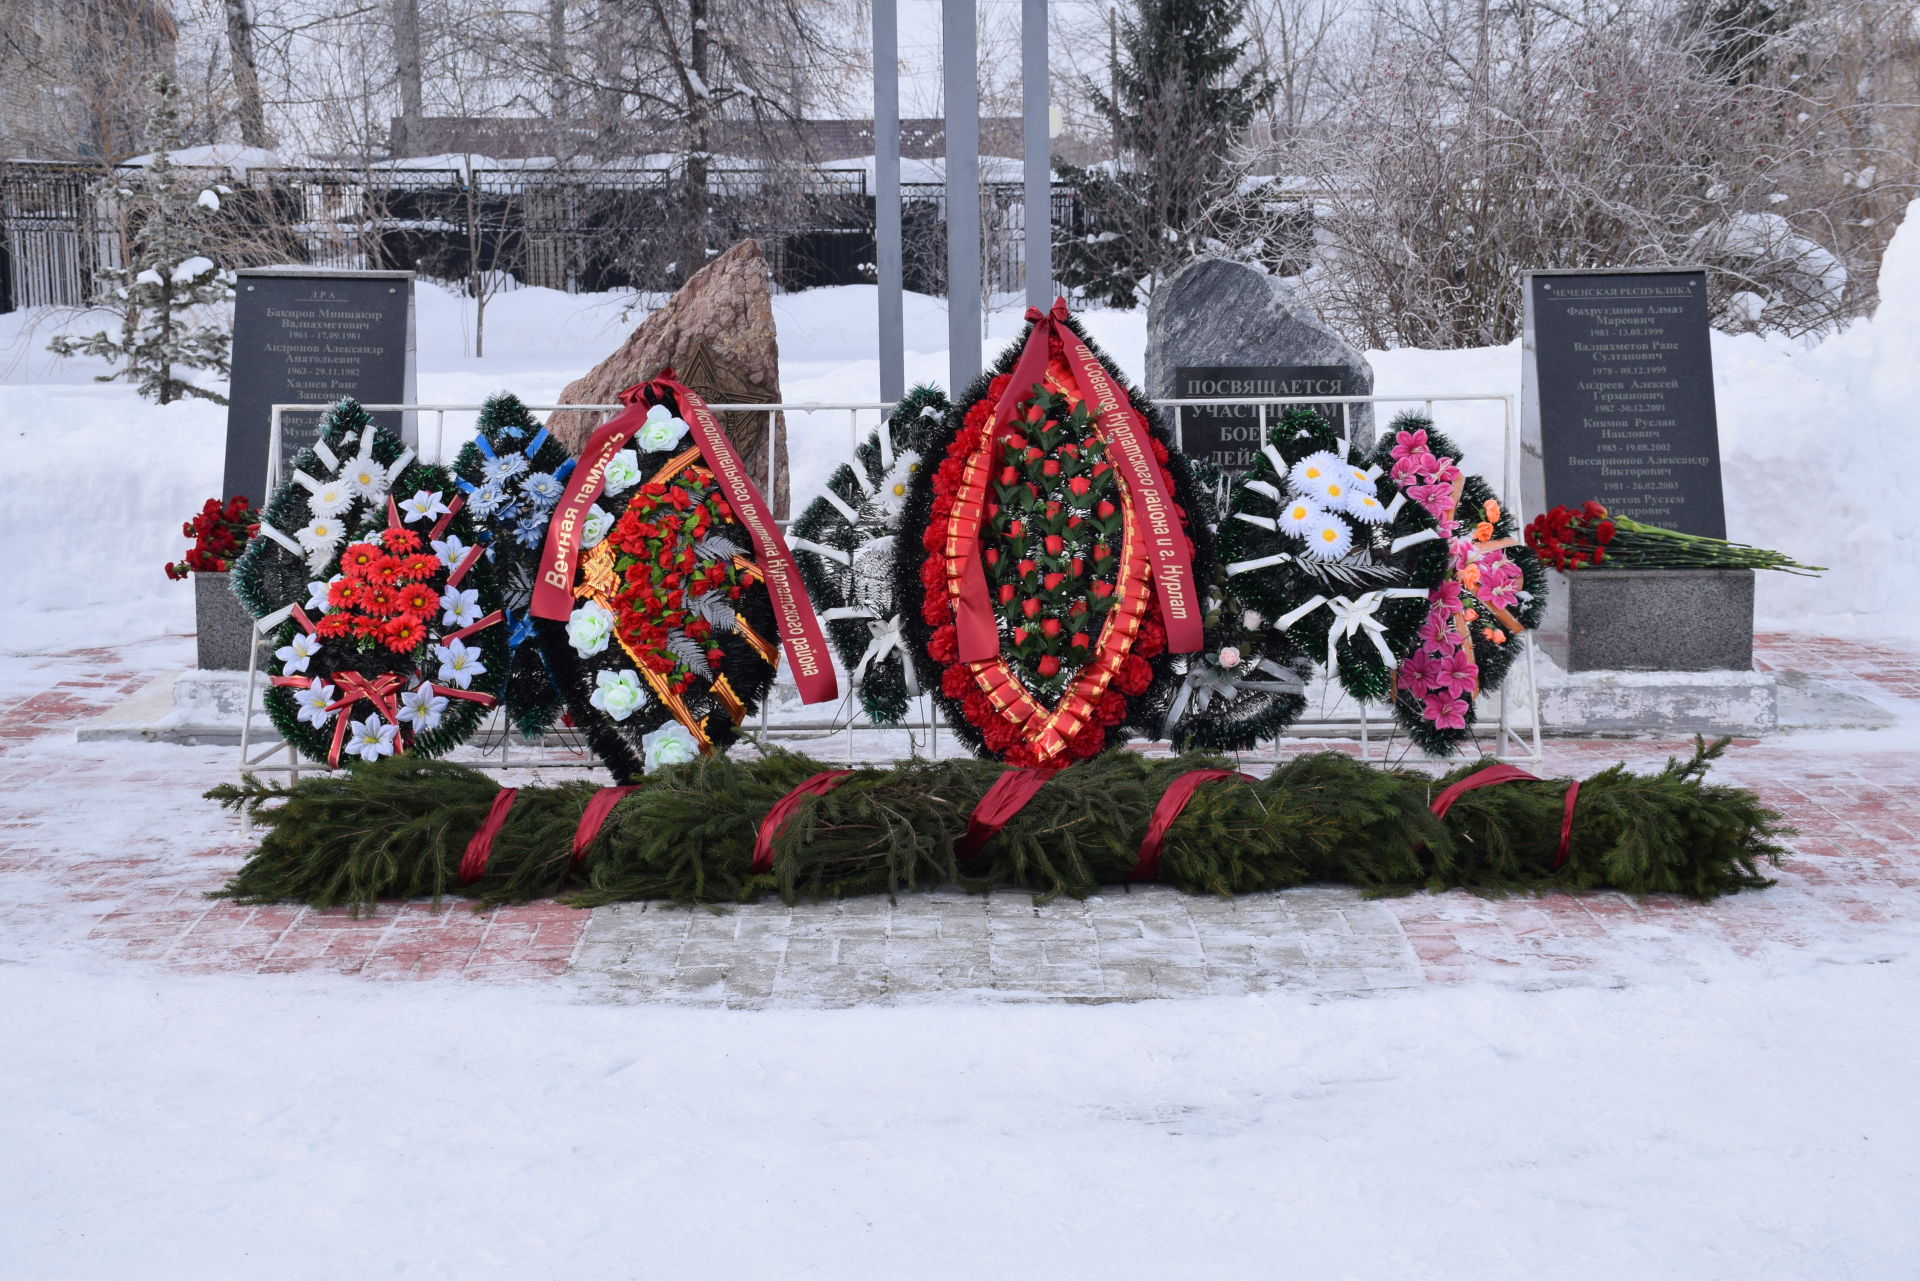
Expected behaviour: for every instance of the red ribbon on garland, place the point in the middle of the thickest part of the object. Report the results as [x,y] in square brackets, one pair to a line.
[1493,774]
[1169,561]
[1002,801]
[598,807]
[800,633]
[353,688]
[776,819]
[473,864]
[1171,803]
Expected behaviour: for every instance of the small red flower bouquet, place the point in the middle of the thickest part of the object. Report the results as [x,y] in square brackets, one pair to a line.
[219,535]
[1568,538]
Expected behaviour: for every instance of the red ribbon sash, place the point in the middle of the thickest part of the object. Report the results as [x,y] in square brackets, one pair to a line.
[598,807]
[473,864]
[1512,774]
[1169,560]
[1172,802]
[1001,802]
[776,820]
[800,633]
[353,687]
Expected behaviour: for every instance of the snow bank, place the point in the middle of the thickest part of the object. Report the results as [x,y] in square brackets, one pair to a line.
[1745,1125]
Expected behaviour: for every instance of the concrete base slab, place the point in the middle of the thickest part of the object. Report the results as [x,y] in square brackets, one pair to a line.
[1657,703]
[179,707]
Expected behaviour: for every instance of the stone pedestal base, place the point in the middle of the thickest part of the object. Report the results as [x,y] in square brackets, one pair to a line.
[1656,704]
[1668,620]
[181,707]
[222,626]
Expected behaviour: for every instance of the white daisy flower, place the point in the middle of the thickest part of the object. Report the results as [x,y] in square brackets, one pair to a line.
[622,471]
[1313,474]
[317,602]
[331,499]
[1328,538]
[1298,516]
[322,533]
[618,694]
[461,606]
[450,550]
[367,479]
[890,497]
[293,657]
[459,663]
[371,739]
[595,528]
[313,701]
[1359,481]
[589,628]
[423,506]
[1365,508]
[421,708]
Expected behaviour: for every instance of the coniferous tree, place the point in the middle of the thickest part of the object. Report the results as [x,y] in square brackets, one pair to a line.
[166,279]
[1183,95]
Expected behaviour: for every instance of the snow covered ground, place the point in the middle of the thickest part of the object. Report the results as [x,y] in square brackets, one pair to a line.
[1744,1125]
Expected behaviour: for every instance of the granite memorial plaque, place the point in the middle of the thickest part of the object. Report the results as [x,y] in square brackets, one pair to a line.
[1228,436]
[1618,396]
[310,336]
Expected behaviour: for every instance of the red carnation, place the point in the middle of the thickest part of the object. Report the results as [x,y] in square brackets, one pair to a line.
[933,610]
[955,681]
[1134,675]
[1087,744]
[944,644]
[1111,709]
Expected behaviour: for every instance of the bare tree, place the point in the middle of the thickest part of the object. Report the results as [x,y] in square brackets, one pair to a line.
[246,75]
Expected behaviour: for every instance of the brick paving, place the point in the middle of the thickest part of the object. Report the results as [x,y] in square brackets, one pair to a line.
[107,850]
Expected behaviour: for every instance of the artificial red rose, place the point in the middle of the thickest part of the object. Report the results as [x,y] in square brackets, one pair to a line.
[1008,475]
[716,656]
[1016,529]
[1052,581]
[1079,485]
[1016,443]
[1105,510]
[1078,565]
[1073,522]
[1103,589]
[1053,508]
[992,555]
[1134,675]
[1055,544]
[1080,640]
[1030,607]
[1101,469]
[1069,451]
[944,644]
[1006,593]
[1049,627]
[1050,468]
[1020,636]
[1048,665]
[1034,455]
[1101,551]
[1076,609]
[1025,567]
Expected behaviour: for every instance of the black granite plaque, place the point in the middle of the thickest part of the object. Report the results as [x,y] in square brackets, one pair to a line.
[1624,383]
[1228,436]
[312,337]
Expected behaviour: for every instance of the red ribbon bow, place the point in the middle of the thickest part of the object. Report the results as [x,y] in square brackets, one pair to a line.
[353,688]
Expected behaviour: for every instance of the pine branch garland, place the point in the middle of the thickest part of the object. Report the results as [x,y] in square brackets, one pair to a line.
[399,828]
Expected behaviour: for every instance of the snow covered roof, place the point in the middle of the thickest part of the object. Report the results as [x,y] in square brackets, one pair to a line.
[230,156]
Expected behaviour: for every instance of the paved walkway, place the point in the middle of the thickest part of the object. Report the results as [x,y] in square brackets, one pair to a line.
[107,850]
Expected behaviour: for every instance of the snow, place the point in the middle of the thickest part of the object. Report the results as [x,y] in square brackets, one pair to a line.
[1817,439]
[1741,1124]
[185,272]
[230,156]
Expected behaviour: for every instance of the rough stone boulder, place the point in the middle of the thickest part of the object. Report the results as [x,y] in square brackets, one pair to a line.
[717,335]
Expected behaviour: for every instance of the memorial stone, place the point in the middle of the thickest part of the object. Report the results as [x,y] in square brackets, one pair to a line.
[1224,329]
[308,336]
[1617,387]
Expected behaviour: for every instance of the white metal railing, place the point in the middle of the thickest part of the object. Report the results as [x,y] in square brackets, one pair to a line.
[1337,717]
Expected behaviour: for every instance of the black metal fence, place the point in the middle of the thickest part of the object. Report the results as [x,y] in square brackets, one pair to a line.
[580,231]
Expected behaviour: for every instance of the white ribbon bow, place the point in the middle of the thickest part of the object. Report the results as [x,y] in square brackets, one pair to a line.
[887,638]
[1354,616]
